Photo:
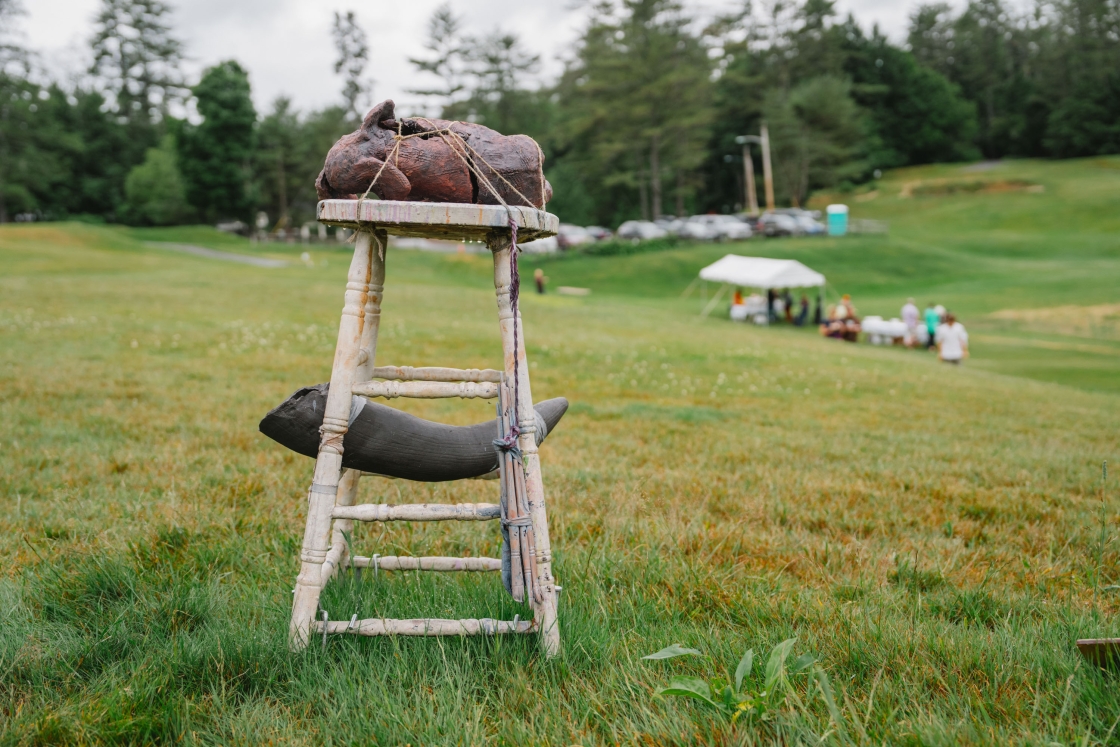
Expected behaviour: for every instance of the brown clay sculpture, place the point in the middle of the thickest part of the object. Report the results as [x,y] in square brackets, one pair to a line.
[434,160]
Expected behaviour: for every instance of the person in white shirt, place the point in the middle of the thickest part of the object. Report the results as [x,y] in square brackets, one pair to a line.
[910,318]
[779,308]
[952,340]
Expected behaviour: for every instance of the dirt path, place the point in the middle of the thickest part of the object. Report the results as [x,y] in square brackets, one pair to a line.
[200,251]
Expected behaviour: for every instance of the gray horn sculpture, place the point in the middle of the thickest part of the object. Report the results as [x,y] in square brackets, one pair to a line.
[385,441]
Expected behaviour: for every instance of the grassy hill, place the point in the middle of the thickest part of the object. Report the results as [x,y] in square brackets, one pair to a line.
[1009,246]
[937,538]
[989,255]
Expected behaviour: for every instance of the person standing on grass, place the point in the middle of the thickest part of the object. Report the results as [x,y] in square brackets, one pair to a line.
[540,280]
[803,314]
[910,319]
[952,341]
[933,320]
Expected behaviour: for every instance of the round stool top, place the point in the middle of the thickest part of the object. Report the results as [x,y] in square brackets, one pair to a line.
[438,220]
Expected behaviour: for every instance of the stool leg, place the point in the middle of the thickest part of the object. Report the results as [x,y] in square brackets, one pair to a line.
[328,465]
[373,306]
[545,612]
[339,552]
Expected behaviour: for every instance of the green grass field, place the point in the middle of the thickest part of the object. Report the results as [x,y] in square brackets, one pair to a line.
[936,537]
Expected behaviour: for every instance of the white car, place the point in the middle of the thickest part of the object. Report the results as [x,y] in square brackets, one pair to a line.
[777,224]
[697,231]
[808,225]
[640,230]
[547,245]
[669,225]
[570,236]
[686,229]
[724,227]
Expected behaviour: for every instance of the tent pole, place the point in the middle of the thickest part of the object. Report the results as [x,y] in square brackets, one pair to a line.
[715,299]
[689,289]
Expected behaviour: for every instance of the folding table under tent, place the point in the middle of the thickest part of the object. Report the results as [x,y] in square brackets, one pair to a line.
[762,273]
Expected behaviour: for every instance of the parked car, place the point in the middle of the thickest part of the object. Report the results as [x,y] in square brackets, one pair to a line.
[696,230]
[547,245]
[723,227]
[808,221]
[685,229]
[669,225]
[570,236]
[599,233]
[640,230]
[809,225]
[777,224]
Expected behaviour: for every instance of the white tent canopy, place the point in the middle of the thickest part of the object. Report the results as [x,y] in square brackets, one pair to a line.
[761,272]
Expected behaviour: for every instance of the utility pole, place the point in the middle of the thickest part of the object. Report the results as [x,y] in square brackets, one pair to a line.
[748,171]
[767,174]
[748,166]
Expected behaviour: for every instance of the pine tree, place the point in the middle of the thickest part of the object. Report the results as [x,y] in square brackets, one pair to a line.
[353,53]
[916,115]
[215,155]
[496,68]
[930,37]
[447,55]
[816,131]
[13,55]
[637,102]
[137,59]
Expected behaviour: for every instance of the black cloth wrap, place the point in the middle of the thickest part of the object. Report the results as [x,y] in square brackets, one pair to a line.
[388,442]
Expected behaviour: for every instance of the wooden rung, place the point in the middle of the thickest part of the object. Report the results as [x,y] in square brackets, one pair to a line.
[403,563]
[426,627]
[419,512]
[427,389]
[432,373]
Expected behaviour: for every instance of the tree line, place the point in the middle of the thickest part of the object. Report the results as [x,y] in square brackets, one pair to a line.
[642,122]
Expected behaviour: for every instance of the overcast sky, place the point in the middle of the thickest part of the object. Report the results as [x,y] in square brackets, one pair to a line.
[286,44]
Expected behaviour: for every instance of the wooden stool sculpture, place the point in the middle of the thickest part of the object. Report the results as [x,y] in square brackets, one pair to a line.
[331,510]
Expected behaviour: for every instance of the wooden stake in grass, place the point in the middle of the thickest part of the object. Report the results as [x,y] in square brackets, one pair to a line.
[1103,652]
[1103,540]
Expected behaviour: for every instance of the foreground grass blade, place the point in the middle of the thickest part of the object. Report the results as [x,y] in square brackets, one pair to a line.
[672,651]
[744,669]
[689,687]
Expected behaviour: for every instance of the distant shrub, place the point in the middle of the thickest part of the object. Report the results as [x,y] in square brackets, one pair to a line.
[154,190]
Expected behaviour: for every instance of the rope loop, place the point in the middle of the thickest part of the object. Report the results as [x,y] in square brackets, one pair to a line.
[509,442]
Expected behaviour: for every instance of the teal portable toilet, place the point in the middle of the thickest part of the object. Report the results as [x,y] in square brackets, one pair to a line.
[837,220]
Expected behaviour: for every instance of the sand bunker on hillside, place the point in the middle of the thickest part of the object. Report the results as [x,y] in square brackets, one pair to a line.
[934,187]
[1101,320]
